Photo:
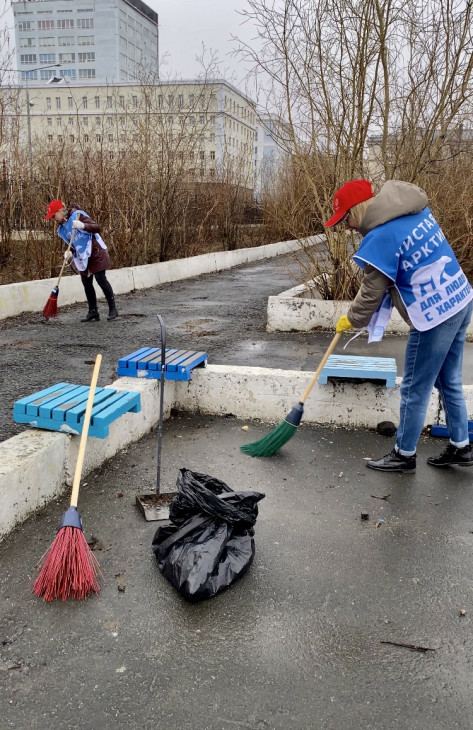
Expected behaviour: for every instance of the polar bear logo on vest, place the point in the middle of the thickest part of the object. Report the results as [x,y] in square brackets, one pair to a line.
[421,286]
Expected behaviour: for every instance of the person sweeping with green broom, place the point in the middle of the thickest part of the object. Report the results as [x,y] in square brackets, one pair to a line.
[407,262]
[87,252]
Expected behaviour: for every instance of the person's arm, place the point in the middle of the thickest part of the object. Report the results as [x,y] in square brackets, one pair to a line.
[368,299]
[90,226]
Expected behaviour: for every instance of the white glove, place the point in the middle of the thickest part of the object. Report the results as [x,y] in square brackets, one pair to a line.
[78,224]
[68,256]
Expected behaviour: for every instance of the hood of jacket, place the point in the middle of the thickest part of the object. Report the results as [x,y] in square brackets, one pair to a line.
[395,199]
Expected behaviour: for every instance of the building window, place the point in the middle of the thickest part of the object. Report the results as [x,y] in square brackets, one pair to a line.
[46,42]
[97,102]
[85,121]
[70,73]
[70,102]
[59,122]
[27,42]
[170,101]
[84,102]
[110,137]
[46,74]
[28,58]
[50,121]
[212,154]
[85,23]
[160,102]
[26,25]
[201,120]
[212,172]
[135,102]
[97,121]
[109,102]
[71,138]
[87,73]
[212,137]
[109,121]
[87,57]
[98,137]
[201,155]
[71,121]
[45,24]
[191,120]
[48,102]
[67,57]
[50,137]
[65,24]
[85,40]
[121,100]
[86,137]
[65,40]
[191,99]
[202,172]
[180,100]
[47,57]
[58,102]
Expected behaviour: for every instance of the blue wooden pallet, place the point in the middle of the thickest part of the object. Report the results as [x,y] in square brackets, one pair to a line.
[146,363]
[62,408]
[364,368]
[442,430]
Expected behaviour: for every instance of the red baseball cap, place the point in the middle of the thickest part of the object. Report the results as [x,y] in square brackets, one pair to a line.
[53,208]
[350,194]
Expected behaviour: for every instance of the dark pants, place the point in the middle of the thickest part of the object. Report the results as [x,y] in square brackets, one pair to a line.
[104,284]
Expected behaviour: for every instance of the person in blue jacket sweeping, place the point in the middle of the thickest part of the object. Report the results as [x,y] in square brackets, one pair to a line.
[88,253]
[407,262]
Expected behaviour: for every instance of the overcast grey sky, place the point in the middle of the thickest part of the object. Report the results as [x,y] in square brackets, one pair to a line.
[184,25]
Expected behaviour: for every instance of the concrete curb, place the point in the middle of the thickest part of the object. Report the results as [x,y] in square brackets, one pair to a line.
[31,296]
[294,311]
[36,465]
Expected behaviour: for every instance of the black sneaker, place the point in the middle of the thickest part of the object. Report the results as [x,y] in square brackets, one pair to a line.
[394,462]
[452,455]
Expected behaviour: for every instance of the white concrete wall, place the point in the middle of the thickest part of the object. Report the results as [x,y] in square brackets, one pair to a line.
[293,311]
[36,465]
[31,296]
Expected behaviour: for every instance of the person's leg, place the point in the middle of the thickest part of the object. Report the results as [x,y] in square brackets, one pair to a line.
[450,386]
[425,355]
[104,284]
[92,314]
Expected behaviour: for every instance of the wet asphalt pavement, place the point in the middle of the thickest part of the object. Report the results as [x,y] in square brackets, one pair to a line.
[297,643]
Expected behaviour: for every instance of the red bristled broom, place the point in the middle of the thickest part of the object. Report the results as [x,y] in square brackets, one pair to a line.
[50,308]
[69,569]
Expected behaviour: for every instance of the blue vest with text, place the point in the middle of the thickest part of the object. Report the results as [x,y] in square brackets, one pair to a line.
[414,253]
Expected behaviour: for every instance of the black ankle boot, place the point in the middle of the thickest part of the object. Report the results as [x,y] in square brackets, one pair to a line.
[453,456]
[91,315]
[394,462]
[112,312]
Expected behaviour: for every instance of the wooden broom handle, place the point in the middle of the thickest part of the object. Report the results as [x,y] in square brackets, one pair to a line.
[67,249]
[85,430]
[330,349]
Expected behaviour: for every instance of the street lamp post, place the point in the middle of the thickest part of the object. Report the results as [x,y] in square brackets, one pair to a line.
[28,110]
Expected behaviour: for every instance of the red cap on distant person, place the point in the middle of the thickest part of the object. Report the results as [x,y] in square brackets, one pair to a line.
[53,208]
[350,194]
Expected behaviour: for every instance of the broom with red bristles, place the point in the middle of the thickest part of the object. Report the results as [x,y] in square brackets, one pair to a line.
[50,308]
[69,569]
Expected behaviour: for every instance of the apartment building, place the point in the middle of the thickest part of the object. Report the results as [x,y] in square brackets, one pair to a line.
[211,122]
[104,41]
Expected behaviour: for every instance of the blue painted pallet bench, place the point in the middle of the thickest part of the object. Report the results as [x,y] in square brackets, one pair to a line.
[442,430]
[364,368]
[62,408]
[146,363]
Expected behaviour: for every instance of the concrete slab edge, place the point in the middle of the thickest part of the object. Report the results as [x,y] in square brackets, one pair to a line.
[31,296]
[291,311]
[37,466]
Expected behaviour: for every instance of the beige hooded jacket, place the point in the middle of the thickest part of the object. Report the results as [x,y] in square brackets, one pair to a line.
[394,200]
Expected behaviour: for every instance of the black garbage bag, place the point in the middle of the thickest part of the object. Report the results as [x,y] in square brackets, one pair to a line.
[209,543]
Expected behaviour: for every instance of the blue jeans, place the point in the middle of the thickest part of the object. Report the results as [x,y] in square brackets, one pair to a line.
[434,358]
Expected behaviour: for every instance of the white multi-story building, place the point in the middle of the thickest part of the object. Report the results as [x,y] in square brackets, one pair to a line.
[104,41]
[210,122]
[268,153]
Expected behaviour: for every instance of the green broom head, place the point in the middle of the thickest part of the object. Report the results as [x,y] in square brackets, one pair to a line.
[270,444]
